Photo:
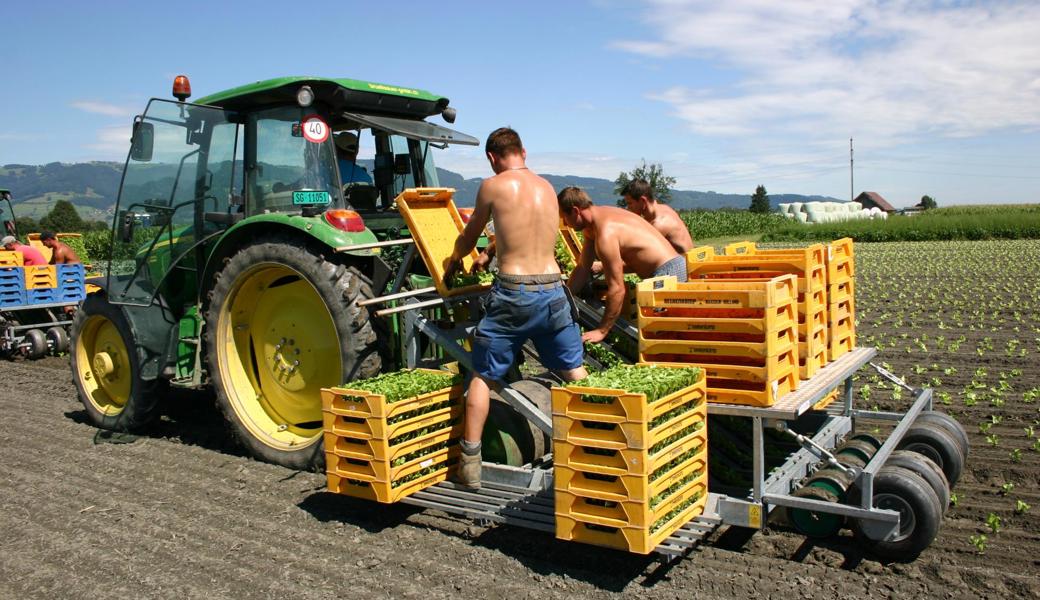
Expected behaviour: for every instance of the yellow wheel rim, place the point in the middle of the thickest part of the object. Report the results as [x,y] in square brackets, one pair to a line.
[276,347]
[103,365]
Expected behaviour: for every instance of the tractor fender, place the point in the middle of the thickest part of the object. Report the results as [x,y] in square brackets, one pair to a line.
[150,327]
[310,231]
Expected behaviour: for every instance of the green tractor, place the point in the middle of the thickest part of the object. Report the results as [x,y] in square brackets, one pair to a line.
[236,262]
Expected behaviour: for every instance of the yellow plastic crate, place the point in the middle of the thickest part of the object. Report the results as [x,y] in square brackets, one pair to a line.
[571,240]
[359,403]
[11,258]
[378,428]
[807,263]
[772,319]
[722,391]
[624,513]
[839,292]
[729,367]
[617,436]
[773,343]
[623,407]
[641,540]
[40,277]
[386,471]
[667,292]
[626,461]
[809,365]
[827,400]
[384,491]
[625,488]
[841,345]
[435,224]
[379,449]
[840,261]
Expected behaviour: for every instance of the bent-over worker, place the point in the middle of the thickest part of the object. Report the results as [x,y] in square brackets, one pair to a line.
[640,199]
[528,300]
[30,256]
[61,253]
[623,242]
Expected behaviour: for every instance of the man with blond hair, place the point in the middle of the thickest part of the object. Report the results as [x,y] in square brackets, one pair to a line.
[528,299]
[623,242]
[640,199]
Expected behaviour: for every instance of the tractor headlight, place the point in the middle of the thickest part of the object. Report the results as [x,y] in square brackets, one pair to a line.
[305,96]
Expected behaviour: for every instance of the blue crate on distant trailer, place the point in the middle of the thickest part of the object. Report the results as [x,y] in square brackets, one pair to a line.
[71,295]
[10,286]
[16,274]
[12,298]
[42,296]
[72,272]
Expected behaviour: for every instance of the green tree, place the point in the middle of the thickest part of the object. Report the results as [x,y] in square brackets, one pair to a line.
[63,217]
[760,201]
[653,174]
[927,202]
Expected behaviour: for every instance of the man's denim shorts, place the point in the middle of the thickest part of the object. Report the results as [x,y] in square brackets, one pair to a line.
[514,316]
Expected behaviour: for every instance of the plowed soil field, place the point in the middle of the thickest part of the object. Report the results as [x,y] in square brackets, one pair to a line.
[182,513]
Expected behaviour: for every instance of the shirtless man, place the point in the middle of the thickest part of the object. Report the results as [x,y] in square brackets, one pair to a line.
[623,242]
[61,253]
[639,198]
[528,300]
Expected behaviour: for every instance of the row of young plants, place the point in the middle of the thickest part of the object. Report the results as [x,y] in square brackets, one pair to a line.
[964,319]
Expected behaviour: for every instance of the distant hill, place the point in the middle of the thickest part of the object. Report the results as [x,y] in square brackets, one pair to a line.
[92,187]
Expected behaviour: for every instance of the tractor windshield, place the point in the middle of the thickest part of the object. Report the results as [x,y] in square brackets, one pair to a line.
[291,159]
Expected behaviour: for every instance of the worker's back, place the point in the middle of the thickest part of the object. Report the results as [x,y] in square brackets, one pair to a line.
[527,218]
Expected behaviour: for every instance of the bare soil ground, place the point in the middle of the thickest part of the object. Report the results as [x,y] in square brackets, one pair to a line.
[183,513]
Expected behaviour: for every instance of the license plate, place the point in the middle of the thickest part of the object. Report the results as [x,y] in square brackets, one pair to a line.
[310,197]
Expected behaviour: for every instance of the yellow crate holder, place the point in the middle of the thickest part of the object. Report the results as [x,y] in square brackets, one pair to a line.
[11,258]
[40,277]
[434,223]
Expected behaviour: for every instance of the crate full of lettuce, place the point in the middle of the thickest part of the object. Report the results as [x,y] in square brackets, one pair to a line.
[392,435]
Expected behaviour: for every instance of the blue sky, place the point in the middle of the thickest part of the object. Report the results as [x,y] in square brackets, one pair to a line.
[942,98]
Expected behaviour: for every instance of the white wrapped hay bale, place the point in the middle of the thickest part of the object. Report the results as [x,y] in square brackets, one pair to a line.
[800,217]
[796,207]
[785,209]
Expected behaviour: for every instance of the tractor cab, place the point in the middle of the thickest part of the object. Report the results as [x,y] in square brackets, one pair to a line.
[263,157]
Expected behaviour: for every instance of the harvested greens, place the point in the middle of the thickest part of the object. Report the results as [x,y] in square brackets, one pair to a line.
[655,382]
[405,384]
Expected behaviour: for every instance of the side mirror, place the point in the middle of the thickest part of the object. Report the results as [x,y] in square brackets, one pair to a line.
[126,226]
[142,141]
[402,164]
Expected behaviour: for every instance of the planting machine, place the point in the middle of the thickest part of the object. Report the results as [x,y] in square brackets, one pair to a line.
[258,275]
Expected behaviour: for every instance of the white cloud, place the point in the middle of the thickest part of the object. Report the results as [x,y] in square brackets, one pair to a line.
[813,70]
[103,108]
[112,143]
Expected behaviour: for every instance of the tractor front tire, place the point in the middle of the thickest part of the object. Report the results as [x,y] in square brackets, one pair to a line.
[107,370]
[283,323]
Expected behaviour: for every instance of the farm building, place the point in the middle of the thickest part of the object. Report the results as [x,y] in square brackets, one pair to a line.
[874,199]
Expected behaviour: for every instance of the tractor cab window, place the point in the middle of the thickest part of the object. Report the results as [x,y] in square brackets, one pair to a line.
[180,165]
[420,162]
[289,159]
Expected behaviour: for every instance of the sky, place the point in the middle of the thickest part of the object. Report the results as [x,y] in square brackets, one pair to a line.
[940,98]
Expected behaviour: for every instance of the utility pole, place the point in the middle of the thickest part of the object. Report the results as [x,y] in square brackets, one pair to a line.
[852,194]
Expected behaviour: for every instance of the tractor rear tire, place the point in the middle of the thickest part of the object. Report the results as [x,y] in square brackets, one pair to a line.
[906,492]
[283,323]
[106,369]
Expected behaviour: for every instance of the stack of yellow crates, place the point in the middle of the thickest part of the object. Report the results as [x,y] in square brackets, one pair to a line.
[841,298]
[628,473]
[744,260]
[743,332]
[385,451]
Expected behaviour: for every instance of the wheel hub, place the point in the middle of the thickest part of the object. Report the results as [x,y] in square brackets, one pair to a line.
[103,364]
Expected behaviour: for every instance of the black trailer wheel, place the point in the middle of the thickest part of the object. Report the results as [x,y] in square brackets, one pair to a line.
[283,323]
[57,340]
[905,492]
[928,470]
[858,450]
[36,344]
[951,426]
[866,437]
[937,444]
[106,368]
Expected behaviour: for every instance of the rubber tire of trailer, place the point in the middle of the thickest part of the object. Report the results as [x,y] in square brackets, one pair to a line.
[927,469]
[338,287]
[903,490]
[951,425]
[141,405]
[936,443]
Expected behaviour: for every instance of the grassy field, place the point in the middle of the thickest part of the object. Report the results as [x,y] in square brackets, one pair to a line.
[977,222]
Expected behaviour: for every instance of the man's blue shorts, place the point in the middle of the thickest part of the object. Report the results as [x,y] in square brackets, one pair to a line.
[514,316]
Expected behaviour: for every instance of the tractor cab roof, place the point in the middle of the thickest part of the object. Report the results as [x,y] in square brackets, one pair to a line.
[351,95]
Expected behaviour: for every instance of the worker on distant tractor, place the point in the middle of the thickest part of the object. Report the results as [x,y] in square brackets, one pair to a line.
[528,299]
[623,242]
[61,253]
[639,198]
[31,256]
[346,155]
